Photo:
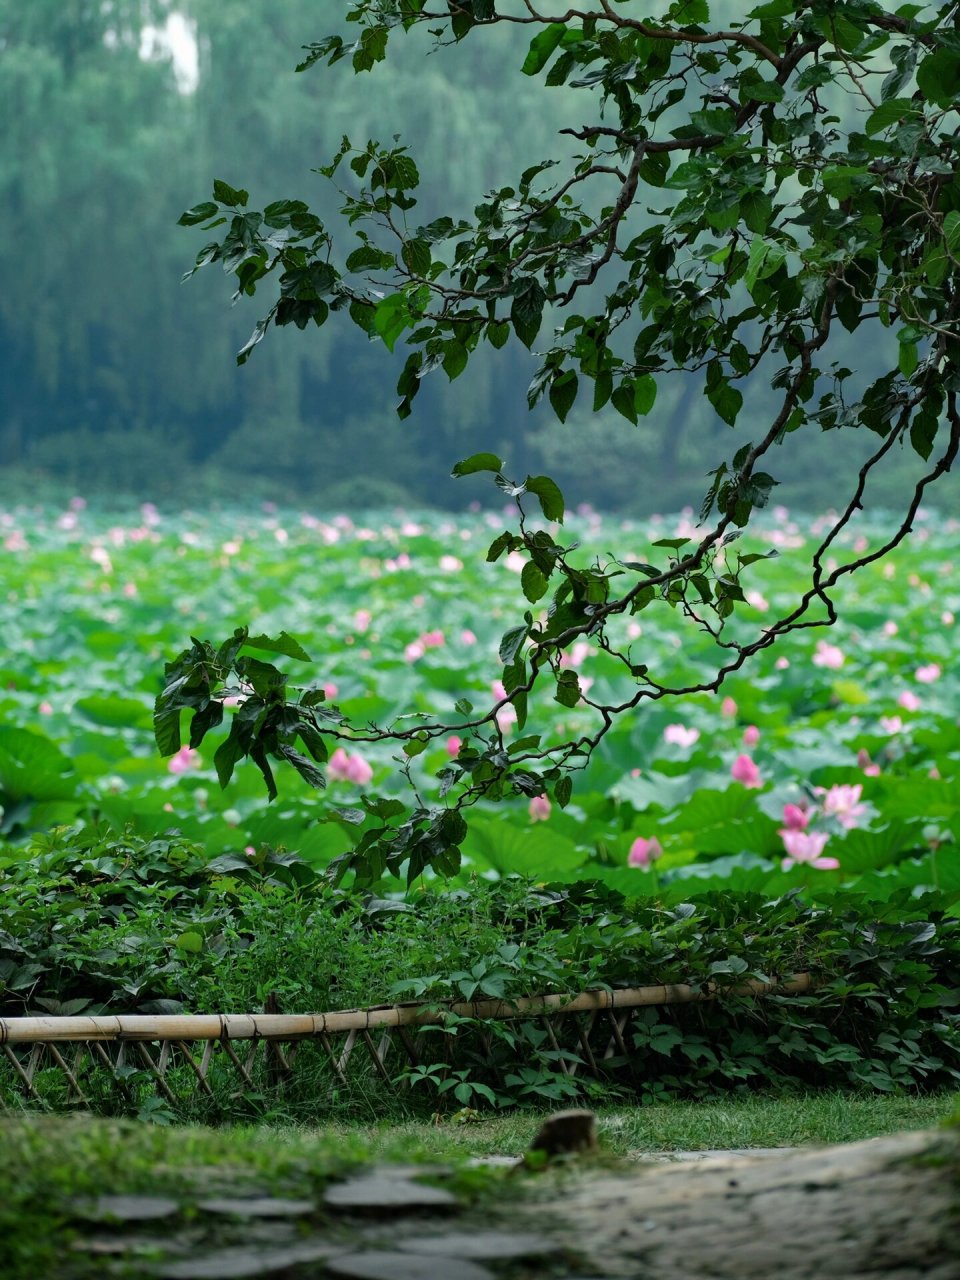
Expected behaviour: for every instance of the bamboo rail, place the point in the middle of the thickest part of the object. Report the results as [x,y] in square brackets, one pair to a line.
[161,1057]
[299,1026]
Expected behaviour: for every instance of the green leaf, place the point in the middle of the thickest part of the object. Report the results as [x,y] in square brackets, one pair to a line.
[563,791]
[541,48]
[644,394]
[909,358]
[923,432]
[454,359]
[229,752]
[533,582]
[226,194]
[756,210]
[478,462]
[549,496]
[886,114]
[938,76]
[951,230]
[284,644]
[190,942]
[622,399]
[166,729]
[391,316]
[416,257]
[765,258]
[511,644]
[568,692]
[305,767]
[199,213]
[726,400]
[563,393]
[497,333]
[526,311]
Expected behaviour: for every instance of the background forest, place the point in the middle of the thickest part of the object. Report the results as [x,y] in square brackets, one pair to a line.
[114,379]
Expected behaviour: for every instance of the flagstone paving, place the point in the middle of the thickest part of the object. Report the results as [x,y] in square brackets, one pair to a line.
[887,1209]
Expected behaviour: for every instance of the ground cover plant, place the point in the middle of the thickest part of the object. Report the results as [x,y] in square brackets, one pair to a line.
[101,923]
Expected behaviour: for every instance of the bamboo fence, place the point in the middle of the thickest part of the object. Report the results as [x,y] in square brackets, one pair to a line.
[87,1061]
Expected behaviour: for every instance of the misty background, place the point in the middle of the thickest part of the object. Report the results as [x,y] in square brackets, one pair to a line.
[115,379]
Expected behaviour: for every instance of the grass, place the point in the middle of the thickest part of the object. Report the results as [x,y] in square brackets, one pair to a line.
[756,1120]
[80,1153]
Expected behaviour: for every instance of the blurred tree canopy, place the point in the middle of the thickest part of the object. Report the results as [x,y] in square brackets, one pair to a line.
[112,375]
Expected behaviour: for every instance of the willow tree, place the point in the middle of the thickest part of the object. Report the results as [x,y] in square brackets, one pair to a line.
[741,196]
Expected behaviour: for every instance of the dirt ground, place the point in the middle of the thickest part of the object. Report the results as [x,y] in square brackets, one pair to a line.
[886,1209]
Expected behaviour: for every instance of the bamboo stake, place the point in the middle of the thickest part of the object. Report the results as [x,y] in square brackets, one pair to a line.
[282,1026]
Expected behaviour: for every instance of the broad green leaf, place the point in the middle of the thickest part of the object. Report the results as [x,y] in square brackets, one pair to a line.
[563,393]
[391,317]
[549,496]
[533,582]
[284,644]
[542,47]
[644,394]
[888,113]
[478,462]
[951,230]
[226,194]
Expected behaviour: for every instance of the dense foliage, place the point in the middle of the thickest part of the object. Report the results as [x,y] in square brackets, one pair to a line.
[100,923]
[782,227]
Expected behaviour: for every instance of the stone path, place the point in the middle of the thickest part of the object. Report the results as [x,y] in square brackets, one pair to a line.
[885,1209]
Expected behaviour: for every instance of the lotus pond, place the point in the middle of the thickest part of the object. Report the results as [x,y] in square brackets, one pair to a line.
[834,759]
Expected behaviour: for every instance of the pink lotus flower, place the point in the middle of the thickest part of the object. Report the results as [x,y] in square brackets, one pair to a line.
[891,724]
[362,619]
[928,673]
[184,760]
[890,628]
[453,746]
[909,701]
[344,768]
[795,818]
[680,736]
[45,709]
[450,564]
[432,639]
[644,852]
[539,809]
[828,655]
[807,847]
[574,657]
[744,770]
[781,664]
[728,708]
[751,735]
[467,636]
[842,802]
[866,764]
[414,651]
[758,601]
[507,715]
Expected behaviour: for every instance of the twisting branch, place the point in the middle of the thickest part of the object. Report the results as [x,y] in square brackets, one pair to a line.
[771,224]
